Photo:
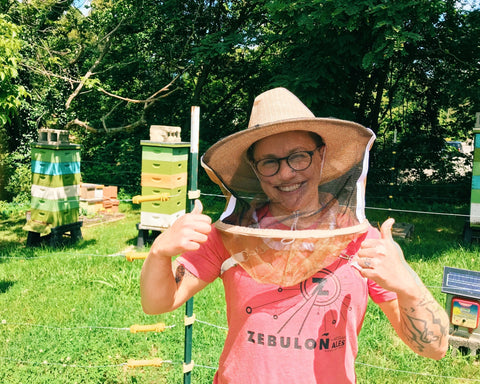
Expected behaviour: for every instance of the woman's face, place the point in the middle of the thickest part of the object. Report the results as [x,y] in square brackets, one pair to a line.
[290,190]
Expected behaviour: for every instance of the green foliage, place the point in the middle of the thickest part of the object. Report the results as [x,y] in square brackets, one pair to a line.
[17,175]
[11,93]
[346,57]
[14,209]
[20,182]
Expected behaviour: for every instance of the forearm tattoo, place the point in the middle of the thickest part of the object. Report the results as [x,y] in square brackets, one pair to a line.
[424,324]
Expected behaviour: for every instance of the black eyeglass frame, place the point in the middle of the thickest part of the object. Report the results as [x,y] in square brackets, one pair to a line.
[278,161]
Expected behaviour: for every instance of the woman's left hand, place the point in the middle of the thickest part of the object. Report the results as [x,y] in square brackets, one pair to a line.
[382,261]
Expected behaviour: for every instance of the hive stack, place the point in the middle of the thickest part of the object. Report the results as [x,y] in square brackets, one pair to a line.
[55,186]
[91,198]
[164,172]
[110,201]
[96,198]
[475,194]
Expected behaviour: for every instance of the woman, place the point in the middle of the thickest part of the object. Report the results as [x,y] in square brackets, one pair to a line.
[296,293]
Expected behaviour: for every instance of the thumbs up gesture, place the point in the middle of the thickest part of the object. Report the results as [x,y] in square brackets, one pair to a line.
[382,261]
[185,234]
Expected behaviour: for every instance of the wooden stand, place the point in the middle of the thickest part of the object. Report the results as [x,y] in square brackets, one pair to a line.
[470,233]
[70,233]
[147,235]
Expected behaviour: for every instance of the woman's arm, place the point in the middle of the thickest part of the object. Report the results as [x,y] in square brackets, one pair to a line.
[166,285]
[420,323]
[416,316]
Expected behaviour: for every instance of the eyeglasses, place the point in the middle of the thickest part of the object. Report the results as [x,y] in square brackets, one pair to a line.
[298,161]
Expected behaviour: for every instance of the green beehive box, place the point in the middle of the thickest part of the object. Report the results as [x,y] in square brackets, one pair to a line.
[177,200]
[164,158]
[55,181]
[55,219]
[173,205]
[164,167]
[156,148]
[55,205]
[40,153]
[164,153]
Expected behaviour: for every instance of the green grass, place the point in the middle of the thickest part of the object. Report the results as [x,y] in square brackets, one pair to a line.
[65,309]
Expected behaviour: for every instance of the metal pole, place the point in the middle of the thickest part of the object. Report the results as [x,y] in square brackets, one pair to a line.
[393,170]
[193,186]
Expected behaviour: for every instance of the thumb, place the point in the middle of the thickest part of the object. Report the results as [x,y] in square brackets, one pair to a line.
[198,208]
[386,229]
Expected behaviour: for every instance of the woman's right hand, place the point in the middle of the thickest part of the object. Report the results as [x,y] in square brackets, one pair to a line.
[185,234]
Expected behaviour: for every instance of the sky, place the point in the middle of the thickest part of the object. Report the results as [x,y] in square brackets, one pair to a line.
[468,4]
[82,6]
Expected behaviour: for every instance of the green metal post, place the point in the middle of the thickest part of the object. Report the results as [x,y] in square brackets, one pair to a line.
[193,186]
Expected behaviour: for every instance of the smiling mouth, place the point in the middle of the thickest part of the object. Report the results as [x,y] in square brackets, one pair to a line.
[289,188]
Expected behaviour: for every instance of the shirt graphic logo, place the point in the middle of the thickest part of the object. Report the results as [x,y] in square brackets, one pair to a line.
[318,301]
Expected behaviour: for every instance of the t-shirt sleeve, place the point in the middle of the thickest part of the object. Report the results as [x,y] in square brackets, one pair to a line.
[206,262]
[377,293]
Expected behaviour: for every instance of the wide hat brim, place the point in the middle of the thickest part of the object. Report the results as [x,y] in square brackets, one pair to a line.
[346,142]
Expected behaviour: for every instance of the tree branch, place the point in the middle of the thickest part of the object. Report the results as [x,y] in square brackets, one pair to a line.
[86,126]
[82,124]
[47,73]
[103,51]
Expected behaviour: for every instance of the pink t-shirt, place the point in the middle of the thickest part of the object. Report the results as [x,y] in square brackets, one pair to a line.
[302,334]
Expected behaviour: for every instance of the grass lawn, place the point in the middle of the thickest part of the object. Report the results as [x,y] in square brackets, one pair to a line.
[65,313]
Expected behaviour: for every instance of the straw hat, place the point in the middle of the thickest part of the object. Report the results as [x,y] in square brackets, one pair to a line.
[276,111]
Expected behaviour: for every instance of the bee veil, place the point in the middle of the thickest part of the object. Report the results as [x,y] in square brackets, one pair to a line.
[285,248]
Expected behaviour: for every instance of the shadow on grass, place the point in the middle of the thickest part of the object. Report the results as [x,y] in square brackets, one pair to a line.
[12,233]
[65,243]
[12,250]
[5,285]
[18,249]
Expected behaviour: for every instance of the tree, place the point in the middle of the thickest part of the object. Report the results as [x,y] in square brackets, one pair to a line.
[11,93]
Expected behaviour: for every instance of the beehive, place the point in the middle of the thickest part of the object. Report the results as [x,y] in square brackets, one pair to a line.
[475,194]
[164,171]
[55,184]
